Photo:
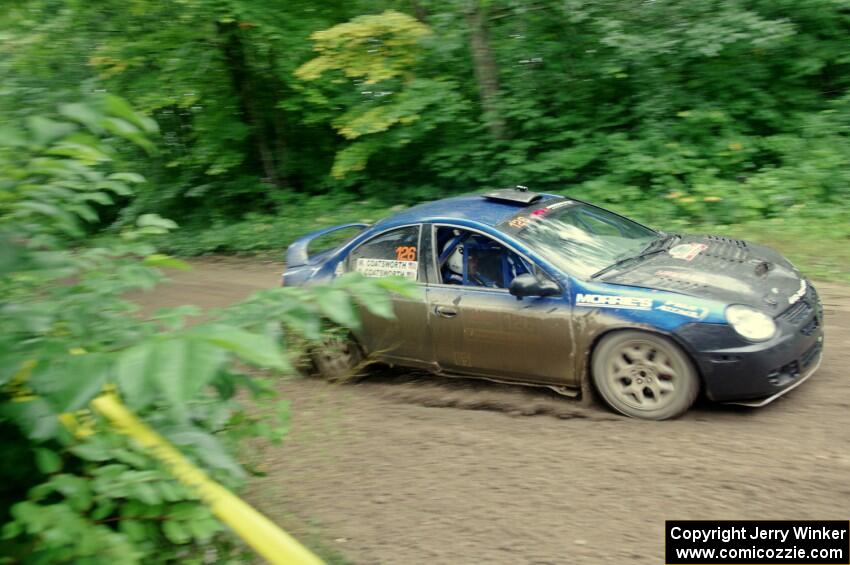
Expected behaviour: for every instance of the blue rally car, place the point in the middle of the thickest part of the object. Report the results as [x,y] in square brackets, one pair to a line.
[517,286]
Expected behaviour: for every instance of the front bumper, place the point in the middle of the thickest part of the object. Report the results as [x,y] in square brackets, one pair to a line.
[754,374]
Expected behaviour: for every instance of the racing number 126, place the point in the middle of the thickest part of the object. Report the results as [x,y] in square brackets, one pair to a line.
[405,253]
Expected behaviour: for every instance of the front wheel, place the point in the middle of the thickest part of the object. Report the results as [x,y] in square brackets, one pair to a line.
[644,375]
[338,358]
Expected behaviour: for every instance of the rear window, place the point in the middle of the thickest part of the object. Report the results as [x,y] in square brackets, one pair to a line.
[333,240]
[391,254]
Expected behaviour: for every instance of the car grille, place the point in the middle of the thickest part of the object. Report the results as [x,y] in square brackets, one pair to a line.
[790,371]
[801,312]
[811,327]
[798,312]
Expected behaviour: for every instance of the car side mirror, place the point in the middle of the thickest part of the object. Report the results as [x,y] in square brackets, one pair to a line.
[529,285]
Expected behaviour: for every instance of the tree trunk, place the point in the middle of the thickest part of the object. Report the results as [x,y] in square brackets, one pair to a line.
[419,11]
[237,64]
[486,73]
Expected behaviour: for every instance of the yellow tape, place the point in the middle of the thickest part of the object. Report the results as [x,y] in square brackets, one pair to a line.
[258,531]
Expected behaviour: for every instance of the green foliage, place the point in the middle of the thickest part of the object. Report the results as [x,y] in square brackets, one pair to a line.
[67,332]
[261,121]
[374,48]
[714,112]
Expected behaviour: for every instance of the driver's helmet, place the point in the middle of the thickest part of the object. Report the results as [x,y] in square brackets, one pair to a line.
[455,260]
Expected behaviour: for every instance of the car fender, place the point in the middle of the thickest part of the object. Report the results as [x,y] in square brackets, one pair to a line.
[602,308]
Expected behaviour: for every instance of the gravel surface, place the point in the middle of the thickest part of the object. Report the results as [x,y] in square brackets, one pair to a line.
[408,468]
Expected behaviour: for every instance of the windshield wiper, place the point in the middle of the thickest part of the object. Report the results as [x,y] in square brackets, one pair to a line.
[664,241]
[655,246]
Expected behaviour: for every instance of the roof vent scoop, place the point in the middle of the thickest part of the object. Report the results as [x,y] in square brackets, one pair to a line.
[519,194]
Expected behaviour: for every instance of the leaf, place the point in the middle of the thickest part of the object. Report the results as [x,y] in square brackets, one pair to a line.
[369,294]
[69,384]
[35,417]
[184,366]
[79,152]
[177,367]
[146,493]
[207,448]
[134,178]
[83,114]
[133,529]
[99,197]
[84,211]
[118,188]
[47,460]
[134,374]
[254,348]
[337,306]
[75,488]
[119,127]
[12,137]
[203,529]
[160,260]
[155,221]
[175,532]
[45,130]
[105,507]
[63,220]
[91,451]
[120,108]
[399,285]
[304,321]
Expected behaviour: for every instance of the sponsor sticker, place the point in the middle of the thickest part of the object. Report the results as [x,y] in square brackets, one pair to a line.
[605,301]
[684,309]
[405,253]
[543,211]
[519,222]
[799,294]
[387,268]
[687,251]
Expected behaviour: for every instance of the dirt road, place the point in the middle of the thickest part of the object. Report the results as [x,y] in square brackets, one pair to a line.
[408,469]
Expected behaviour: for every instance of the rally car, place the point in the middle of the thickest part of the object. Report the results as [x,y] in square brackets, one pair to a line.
[540,289]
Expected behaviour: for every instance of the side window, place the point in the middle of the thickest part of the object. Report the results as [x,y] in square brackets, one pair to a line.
[471,259]
[393,254]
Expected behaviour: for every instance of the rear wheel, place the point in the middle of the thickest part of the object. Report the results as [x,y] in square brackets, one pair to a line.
[338,357]
[644,375]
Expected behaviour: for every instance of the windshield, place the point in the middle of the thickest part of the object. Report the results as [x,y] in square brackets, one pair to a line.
[580,239]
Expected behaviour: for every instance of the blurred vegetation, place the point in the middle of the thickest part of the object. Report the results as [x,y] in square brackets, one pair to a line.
[71,488]
[700,114]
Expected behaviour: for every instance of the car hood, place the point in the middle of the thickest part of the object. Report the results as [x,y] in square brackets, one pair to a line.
[719,268]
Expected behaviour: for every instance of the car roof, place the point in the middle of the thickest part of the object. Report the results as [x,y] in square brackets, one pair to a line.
[472,207]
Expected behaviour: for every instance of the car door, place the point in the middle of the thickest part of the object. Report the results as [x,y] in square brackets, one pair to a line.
[404,339]
[486,331]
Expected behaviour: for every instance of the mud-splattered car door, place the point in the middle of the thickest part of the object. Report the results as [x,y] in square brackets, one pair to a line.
[488,332]
[405,338]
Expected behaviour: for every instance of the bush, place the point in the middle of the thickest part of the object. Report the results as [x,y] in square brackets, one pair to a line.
[79,492]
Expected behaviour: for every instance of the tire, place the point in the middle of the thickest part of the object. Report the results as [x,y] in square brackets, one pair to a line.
[644,375]
[338,358]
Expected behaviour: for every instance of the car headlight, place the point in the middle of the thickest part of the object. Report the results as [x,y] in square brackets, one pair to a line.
[750,323]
